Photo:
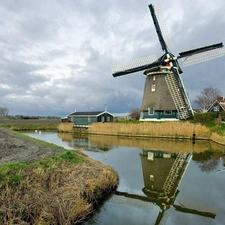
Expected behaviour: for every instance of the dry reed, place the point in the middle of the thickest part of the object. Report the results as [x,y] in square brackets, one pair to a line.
[150,129]
[65,127]
[61,194]
[217,138]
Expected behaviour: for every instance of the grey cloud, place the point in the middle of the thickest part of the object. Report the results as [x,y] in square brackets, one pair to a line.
[56,56]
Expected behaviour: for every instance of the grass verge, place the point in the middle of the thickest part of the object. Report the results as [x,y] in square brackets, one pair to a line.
[60,189]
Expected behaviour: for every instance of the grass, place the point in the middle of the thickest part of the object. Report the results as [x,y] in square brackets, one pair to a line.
[152,129]
[65,127]
[30,124]
[22,127]
[219,129]
[61,189]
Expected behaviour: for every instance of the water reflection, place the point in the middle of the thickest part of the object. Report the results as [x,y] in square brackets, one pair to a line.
[162,174]
[105,143]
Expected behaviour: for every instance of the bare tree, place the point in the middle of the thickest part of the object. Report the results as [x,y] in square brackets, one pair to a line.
[207,96]
[135,114]
[3,111]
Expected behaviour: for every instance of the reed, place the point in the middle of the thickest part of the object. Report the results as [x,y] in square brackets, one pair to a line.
[65,127]
[152,129]
[58,190]
[218,138]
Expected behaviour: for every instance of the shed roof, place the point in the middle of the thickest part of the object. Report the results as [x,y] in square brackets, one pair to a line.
[96,113]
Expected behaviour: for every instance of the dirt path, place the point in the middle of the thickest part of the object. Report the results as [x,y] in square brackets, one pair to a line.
[14,148]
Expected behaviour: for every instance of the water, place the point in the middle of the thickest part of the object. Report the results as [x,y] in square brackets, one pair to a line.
[144,166]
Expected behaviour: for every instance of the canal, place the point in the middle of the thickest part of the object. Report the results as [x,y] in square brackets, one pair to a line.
[161,181]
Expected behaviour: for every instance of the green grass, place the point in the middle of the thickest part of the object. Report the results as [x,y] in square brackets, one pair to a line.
[21,127]
[220,129]
[129,121]
[12,173]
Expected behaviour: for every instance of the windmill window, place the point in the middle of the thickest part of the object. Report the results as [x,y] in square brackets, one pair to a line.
[153,87]
[153,78]
[151,178]
[151,111]
[167,112]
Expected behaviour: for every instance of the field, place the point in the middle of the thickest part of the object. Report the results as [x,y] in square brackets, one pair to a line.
[30,121]
[30,124]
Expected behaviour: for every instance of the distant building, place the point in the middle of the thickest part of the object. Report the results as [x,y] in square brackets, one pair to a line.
[87,118]
[218,105]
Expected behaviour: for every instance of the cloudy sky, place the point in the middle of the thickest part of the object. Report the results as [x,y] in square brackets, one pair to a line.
[56,55]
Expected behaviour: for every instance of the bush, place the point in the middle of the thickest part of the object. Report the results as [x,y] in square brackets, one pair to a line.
[205,118]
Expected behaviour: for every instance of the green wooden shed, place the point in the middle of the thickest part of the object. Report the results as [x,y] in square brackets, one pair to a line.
[87,118]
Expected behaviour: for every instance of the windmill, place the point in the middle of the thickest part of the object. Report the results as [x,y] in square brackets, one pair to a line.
[164,94]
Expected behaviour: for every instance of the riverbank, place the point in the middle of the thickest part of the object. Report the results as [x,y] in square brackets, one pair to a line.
[44,184]
[175,130]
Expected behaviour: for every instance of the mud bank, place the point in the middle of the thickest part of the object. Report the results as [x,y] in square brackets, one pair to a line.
[15,148]
[42,184]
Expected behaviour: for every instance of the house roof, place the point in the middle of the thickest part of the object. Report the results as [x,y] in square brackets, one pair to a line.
[96,113]
[220,101]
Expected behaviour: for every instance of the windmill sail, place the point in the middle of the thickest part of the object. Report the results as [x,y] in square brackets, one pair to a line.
[133,65]
[202,54]
[160,26]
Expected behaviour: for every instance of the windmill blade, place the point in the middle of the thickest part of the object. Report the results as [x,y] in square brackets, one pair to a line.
[197,208]
[202,54]
[160,26]
[133,65]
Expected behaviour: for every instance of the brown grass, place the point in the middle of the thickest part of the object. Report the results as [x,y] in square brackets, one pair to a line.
[65,127]
[163,129]
[217,138]
[63,194]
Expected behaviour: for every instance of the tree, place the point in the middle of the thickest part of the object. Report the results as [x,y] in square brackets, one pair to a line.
[135,114]
[3,111]
[207,96]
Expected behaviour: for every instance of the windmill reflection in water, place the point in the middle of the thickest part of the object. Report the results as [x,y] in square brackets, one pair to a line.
[162,174]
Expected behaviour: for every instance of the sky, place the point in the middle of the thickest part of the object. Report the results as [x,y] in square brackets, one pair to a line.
[56,55]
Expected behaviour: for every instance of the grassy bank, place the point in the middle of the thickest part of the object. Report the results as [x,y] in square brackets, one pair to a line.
[177,130]
[30,124]
[61,189]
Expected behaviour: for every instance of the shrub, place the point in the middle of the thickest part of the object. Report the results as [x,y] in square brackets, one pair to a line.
[205,118]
